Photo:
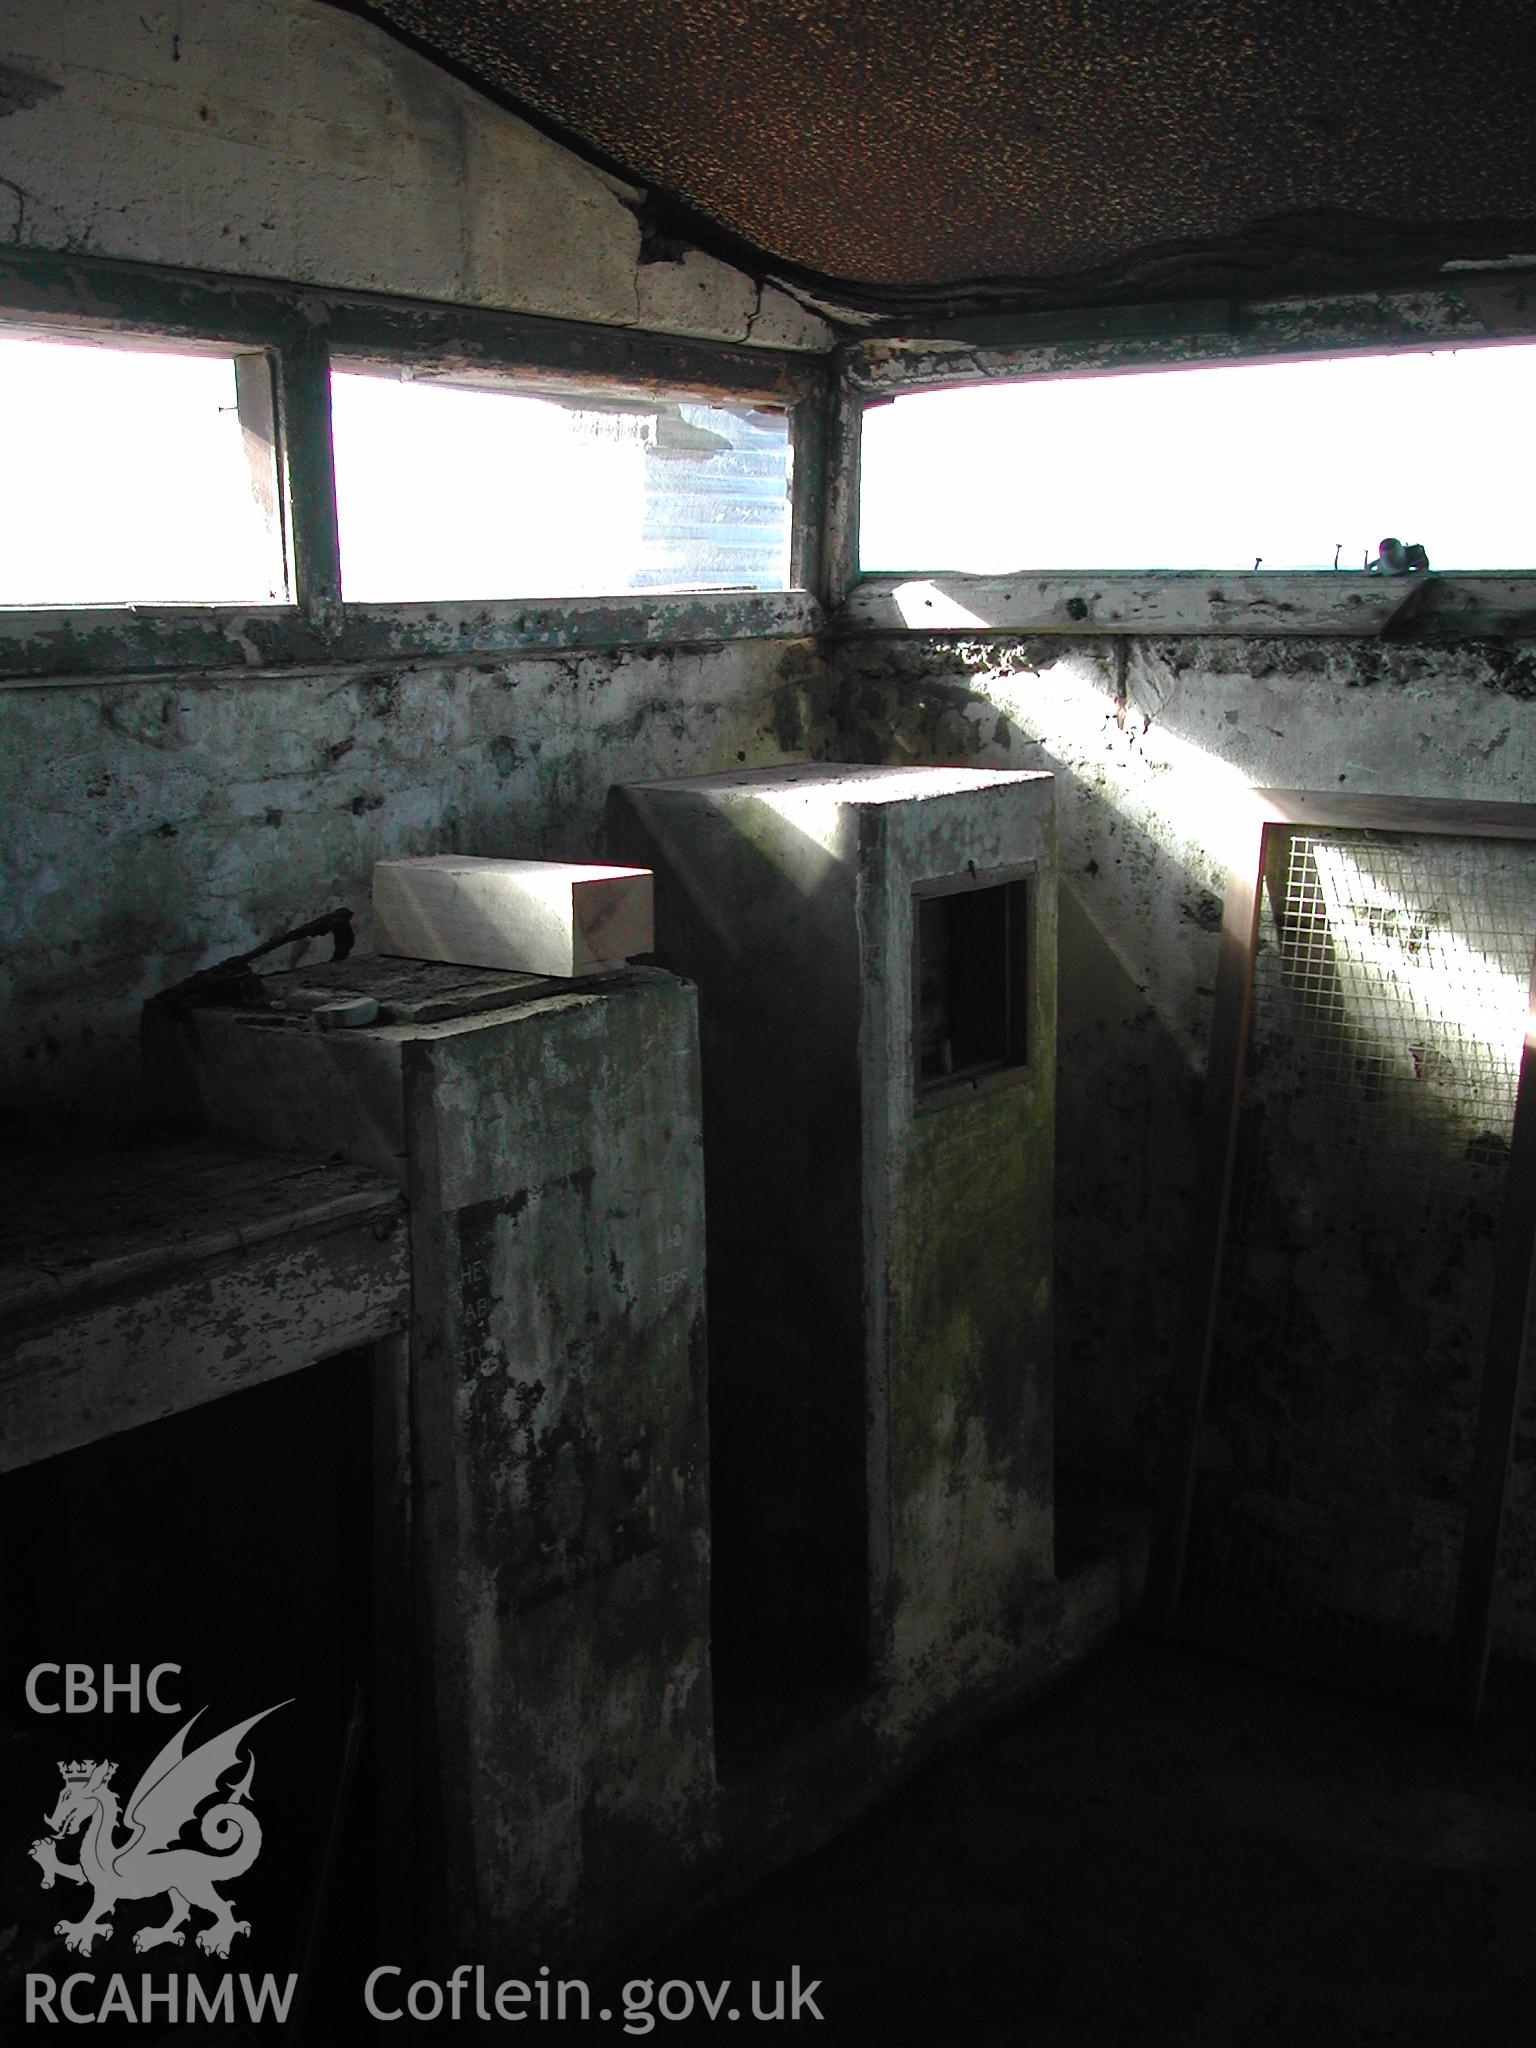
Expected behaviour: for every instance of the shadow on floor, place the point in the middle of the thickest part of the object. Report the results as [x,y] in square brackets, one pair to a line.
[1161,1850]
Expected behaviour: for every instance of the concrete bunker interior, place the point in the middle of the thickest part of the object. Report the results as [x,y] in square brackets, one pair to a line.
[758,1365]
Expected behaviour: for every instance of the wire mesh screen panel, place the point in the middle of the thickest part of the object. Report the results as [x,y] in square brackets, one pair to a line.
[1335,1445]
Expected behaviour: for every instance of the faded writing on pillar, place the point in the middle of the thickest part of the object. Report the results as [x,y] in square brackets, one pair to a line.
[481,1351]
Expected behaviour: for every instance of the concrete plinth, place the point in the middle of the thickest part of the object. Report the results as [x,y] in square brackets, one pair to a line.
[549,1141]
[879,1177]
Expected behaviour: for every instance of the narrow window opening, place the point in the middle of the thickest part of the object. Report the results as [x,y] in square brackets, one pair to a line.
[467,491]
[138,474]
[1229,466]
[970,980]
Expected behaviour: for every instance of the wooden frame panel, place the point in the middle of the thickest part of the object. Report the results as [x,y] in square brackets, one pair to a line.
[1280,812]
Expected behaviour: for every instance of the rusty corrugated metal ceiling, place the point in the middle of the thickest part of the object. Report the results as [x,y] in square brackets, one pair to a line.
[895,147]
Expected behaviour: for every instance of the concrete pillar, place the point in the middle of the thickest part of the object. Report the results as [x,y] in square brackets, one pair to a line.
[879,1088]
[548,1137]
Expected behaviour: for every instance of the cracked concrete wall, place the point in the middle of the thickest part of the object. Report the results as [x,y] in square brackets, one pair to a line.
[149,828]
[285,139]
[1151,741]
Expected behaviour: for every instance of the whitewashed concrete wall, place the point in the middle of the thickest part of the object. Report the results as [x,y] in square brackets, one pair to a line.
[147,829]
[284,139]
[1154,743]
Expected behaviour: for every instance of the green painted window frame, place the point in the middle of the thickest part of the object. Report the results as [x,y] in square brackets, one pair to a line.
[1464,305]
[297,330]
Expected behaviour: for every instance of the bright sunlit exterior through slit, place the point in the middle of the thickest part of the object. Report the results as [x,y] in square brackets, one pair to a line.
[1281,465]
[131,477]
[147,474]
[451,491]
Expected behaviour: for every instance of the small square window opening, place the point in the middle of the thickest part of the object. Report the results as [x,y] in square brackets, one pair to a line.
[970,979]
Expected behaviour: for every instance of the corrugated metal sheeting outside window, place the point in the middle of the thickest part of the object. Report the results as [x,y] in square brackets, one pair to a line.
[457,491]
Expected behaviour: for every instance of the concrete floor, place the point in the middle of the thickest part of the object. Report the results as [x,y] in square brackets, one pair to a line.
[1164,1849]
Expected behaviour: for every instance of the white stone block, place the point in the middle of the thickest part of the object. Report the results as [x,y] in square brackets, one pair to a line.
[534,916]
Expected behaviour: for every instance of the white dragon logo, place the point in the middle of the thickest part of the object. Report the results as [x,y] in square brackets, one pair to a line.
[152,1860]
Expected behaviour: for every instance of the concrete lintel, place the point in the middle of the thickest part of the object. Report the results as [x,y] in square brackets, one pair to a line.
[1458,311]
[145,642]
[1481,605]
[109,295]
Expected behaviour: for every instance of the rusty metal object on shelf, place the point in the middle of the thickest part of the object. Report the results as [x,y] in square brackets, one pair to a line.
[232,981]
